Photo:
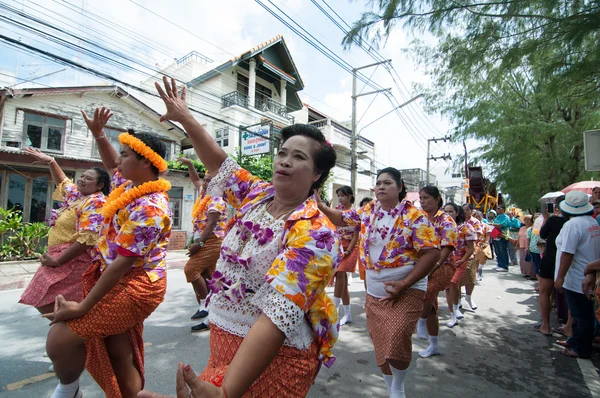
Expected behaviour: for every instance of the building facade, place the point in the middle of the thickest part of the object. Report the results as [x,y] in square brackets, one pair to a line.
[50,119]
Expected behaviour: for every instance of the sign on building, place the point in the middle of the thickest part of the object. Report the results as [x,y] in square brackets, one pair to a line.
[254,144]
[591,147]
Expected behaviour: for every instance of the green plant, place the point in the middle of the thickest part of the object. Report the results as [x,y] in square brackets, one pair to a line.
[175,165]
[20,240]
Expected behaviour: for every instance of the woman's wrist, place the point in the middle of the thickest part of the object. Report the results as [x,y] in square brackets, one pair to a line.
[99,135]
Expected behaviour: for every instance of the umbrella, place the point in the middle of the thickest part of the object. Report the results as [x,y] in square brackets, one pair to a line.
[583,186]
[552,195]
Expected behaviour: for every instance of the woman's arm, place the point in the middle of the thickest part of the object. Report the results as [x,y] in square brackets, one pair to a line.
[335,216]
[96,125]
[209,152]
[69,254]
[423,267]
[468,253]
[444,254]
[192,172]
[352,242]
[41,158]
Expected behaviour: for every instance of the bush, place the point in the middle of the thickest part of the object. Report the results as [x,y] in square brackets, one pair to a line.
[20,240]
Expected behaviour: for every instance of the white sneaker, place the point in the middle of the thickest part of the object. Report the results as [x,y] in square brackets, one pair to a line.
[452,322]
[459,315]
[51,368]
[472,304]
[501,269]
[429,352]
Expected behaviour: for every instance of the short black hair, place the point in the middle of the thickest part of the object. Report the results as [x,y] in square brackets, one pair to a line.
[460,213]
[154,142]
[397,178]
[364,201]
[434,192]
[346,191]
[470,206]
[324,156]
[103,178]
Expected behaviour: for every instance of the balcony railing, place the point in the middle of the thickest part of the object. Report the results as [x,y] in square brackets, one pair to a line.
[263,104]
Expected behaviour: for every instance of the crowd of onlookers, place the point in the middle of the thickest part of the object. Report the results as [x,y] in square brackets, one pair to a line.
[562,252]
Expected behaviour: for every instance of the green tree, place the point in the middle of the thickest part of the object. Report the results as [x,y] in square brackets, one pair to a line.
[259,165]
[513,74]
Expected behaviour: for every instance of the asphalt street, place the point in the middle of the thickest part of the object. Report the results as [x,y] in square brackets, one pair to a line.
[493,352]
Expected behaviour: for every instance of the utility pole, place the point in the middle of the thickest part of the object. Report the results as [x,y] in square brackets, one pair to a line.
[443,157]
[354,137]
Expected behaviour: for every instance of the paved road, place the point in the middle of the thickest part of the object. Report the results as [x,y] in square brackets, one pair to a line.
[493,352]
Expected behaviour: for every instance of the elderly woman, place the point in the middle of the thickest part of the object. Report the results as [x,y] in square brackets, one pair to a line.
[399,248]
[578,245]
[272,324]
[73,233]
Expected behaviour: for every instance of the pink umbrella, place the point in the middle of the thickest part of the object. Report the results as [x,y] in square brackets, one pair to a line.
[583,186]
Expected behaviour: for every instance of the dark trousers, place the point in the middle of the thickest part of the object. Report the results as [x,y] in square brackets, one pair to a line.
[582,311]
[501,249]
[562,308]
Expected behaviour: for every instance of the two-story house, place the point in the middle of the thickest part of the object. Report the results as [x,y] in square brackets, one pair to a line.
[260,85]
[339,134]
[50,119]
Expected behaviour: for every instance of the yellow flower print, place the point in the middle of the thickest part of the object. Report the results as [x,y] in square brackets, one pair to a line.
[451,235]
[299,234]
[291,278]
[277,267]
[426,233]
[318,272]
[280,289]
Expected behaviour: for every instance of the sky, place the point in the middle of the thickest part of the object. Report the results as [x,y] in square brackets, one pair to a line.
[155,32]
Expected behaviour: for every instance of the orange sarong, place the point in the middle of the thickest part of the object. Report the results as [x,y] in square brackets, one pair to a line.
[122,310]
[438,281]
[291,373]
[204,263]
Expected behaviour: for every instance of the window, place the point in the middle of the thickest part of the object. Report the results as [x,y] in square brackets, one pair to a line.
[263,94]
[222,137]
[112,136]
[44,132]
[242,84]
[12,144]
[176,202]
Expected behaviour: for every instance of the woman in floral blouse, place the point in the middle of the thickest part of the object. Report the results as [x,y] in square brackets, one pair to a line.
[73,233]
[349,240]
[399,248]
[271,321]
[439,279]
[465,248]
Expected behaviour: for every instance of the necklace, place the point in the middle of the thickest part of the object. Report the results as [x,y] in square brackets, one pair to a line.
[119,198]
[284,215]
[200,206]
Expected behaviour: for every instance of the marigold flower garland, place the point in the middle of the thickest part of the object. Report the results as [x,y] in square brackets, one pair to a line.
[118,198]
[139,147]
[200,206]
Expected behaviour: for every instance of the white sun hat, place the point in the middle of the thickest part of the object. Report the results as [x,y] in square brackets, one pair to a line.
[576,203]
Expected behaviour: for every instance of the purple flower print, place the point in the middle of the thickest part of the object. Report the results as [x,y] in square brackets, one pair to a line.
[96,218]
[145,235]
[264,236]
[218,282]
[232,257]
[236,292]
[323,239]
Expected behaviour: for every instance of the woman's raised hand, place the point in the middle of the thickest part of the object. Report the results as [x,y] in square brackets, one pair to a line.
[97,124]
[41,157]
[177,110]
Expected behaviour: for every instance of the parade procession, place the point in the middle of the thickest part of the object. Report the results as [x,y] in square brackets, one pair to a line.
[388,199]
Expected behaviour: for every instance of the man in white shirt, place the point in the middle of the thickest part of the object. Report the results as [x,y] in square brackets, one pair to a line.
[578,244]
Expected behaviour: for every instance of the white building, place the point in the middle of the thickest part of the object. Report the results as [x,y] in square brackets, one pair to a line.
[258,86]
[50,119]
[339,135]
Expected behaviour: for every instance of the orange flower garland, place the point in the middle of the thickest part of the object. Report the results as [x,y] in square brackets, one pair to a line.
[138,146]
[118,198]
[200,206]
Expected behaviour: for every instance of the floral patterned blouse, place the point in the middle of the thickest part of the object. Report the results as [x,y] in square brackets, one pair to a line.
[346,232]
[142,229]
[445,229]
[410,233]
[477,227]
[465,233]
[78,219]
[274,267]
[216,204]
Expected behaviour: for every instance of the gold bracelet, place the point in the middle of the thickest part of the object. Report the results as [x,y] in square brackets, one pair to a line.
[50,162]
